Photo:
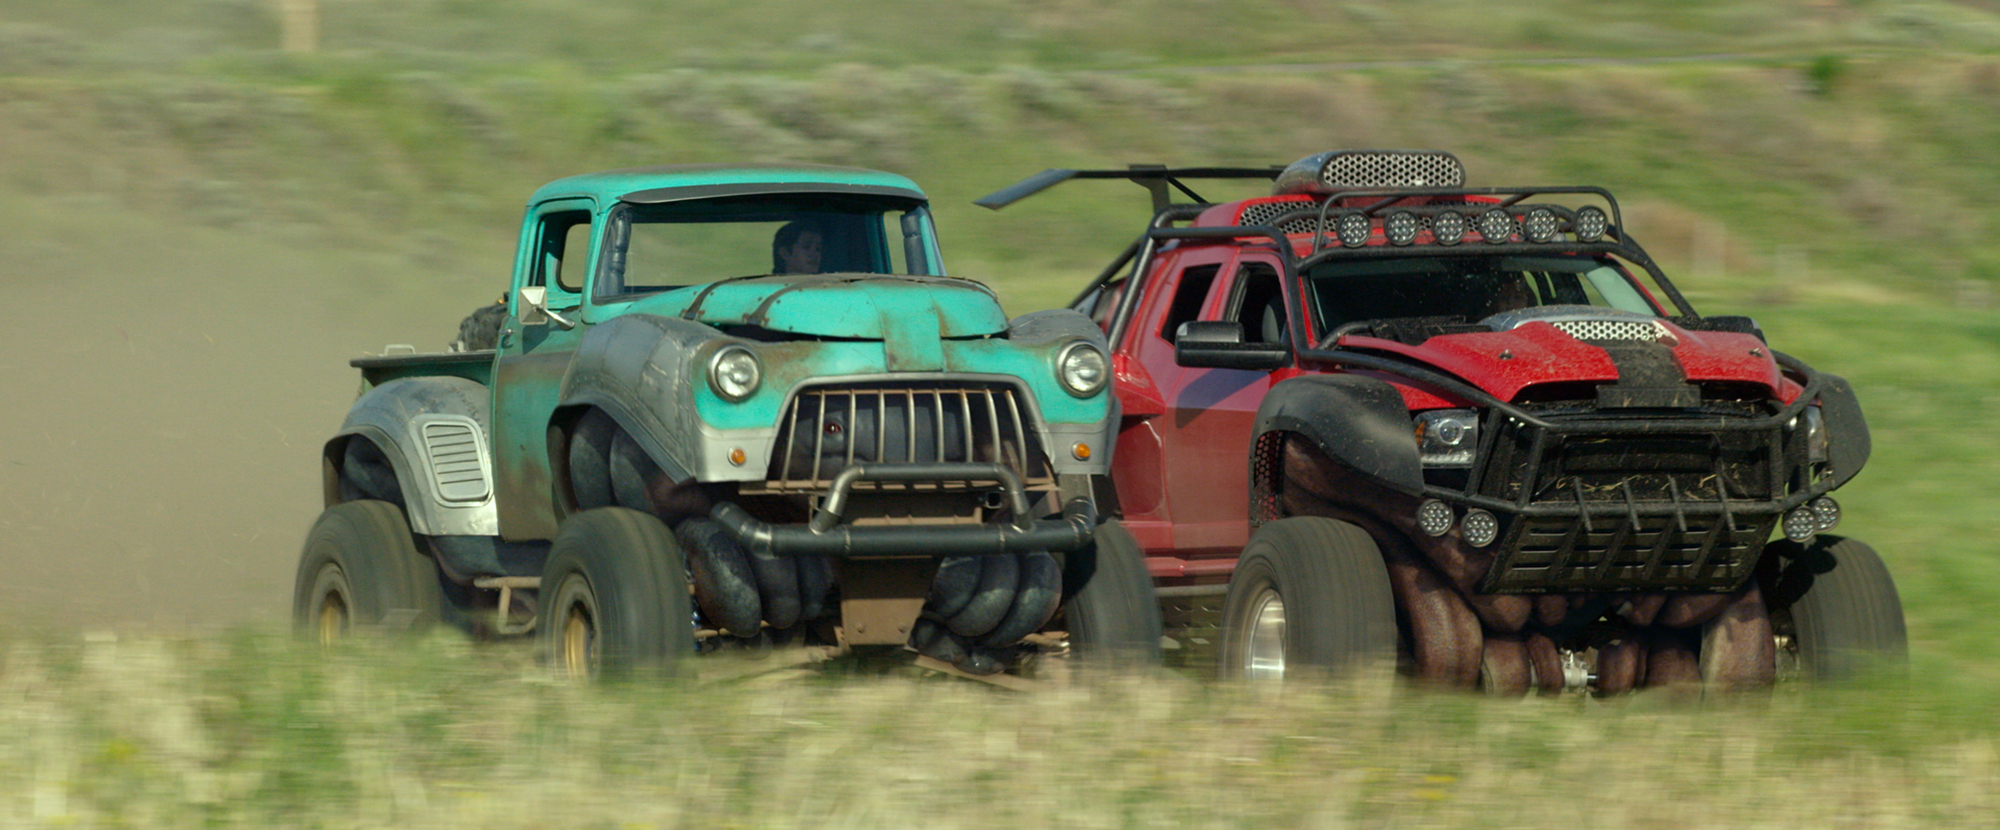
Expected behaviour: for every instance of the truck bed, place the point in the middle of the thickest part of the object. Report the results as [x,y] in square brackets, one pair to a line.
[379,369]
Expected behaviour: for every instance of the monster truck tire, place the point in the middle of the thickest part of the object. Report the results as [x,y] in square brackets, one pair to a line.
[1112,613]
[366,474]
[957,577]
[725,585]
[815,579]
[1845,613]
[630,471]
[615,596]
[999,577]
[590,459]
[1040,592]
[361,568]
[1308,593]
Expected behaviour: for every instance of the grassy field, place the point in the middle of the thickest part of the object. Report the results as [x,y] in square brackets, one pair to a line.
[247,731]
[197,229]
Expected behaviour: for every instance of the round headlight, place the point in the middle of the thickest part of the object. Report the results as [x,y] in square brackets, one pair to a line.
[1480,528]
[1496,225]
[1353,229]
[1801,524]
[1827,512]
[1542,225]
[1589,223]
[1448,228]
[734,372]
[1401,227]
[1082,369]
[1434,517]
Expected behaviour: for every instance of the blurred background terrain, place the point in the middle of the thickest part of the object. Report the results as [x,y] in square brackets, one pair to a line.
[199,226]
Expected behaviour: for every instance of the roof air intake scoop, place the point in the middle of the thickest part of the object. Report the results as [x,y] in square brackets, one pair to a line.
[1328,173]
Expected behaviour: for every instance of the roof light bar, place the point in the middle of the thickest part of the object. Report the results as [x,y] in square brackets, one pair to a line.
[1449,227]
[1589,223]
[1497,226]
[1401,227]
[1353,229]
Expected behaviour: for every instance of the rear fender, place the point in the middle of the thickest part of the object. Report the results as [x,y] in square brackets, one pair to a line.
[432,431]
[1358,421]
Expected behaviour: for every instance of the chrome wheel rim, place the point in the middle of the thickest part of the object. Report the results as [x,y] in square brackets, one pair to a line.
[1264,646]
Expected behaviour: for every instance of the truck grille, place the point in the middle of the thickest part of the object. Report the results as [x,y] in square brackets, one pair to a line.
[1618,467]
[1629,553]
[827,429]
[1655,508]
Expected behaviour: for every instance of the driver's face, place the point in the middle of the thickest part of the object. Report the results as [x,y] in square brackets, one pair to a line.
[803,255]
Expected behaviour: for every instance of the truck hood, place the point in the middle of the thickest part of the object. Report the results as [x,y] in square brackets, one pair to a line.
[844,306]
[1526,352]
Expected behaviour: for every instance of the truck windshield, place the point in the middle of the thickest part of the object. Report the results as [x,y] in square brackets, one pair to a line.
[1465,288]
[650,248]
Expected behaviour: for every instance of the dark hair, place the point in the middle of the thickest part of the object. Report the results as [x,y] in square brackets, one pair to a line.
[786,237]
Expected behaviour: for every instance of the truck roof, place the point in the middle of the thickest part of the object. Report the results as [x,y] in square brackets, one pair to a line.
[672,183]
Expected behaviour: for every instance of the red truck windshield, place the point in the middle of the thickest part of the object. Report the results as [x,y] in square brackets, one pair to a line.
[1468,288]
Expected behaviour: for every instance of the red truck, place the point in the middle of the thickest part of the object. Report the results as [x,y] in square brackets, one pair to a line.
[1383,416]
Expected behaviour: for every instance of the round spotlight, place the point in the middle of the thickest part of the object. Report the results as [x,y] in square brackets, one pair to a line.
[1542,225]
[1589,224]
[1434,517]
[1480,528]
[1826,512]
[1497,226]
[1353,229]
[1448,228]
[1401,227]
[1801,524]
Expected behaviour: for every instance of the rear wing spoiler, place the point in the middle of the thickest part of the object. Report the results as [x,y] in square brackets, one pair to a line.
[1154,177]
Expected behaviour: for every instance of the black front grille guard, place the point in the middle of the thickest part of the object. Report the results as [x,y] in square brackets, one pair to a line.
[825,536]
[1802,491]
[1719,524]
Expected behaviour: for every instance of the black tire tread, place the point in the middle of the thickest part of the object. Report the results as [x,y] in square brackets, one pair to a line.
[389,579]
[1114,616]
[1340,612]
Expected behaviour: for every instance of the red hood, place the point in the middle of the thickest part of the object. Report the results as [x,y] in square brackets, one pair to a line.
[1506,362]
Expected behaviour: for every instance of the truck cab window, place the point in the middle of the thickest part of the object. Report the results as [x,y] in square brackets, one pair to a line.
[1189,295]
[1260,304]
[565,246]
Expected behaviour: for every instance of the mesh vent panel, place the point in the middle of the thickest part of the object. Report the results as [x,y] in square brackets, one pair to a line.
[1612,329]
[1261,213]
[1348,170]
[1266,461]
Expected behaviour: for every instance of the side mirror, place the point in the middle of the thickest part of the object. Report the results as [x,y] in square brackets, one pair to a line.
[531,304]
[1218,344]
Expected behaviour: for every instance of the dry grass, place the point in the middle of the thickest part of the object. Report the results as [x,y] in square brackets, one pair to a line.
[247,730]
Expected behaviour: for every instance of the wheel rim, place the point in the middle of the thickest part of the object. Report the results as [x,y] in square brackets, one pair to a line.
[1264,646]
[578,641]
[331,614]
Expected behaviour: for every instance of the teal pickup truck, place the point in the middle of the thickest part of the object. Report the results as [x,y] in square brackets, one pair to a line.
[738,406]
